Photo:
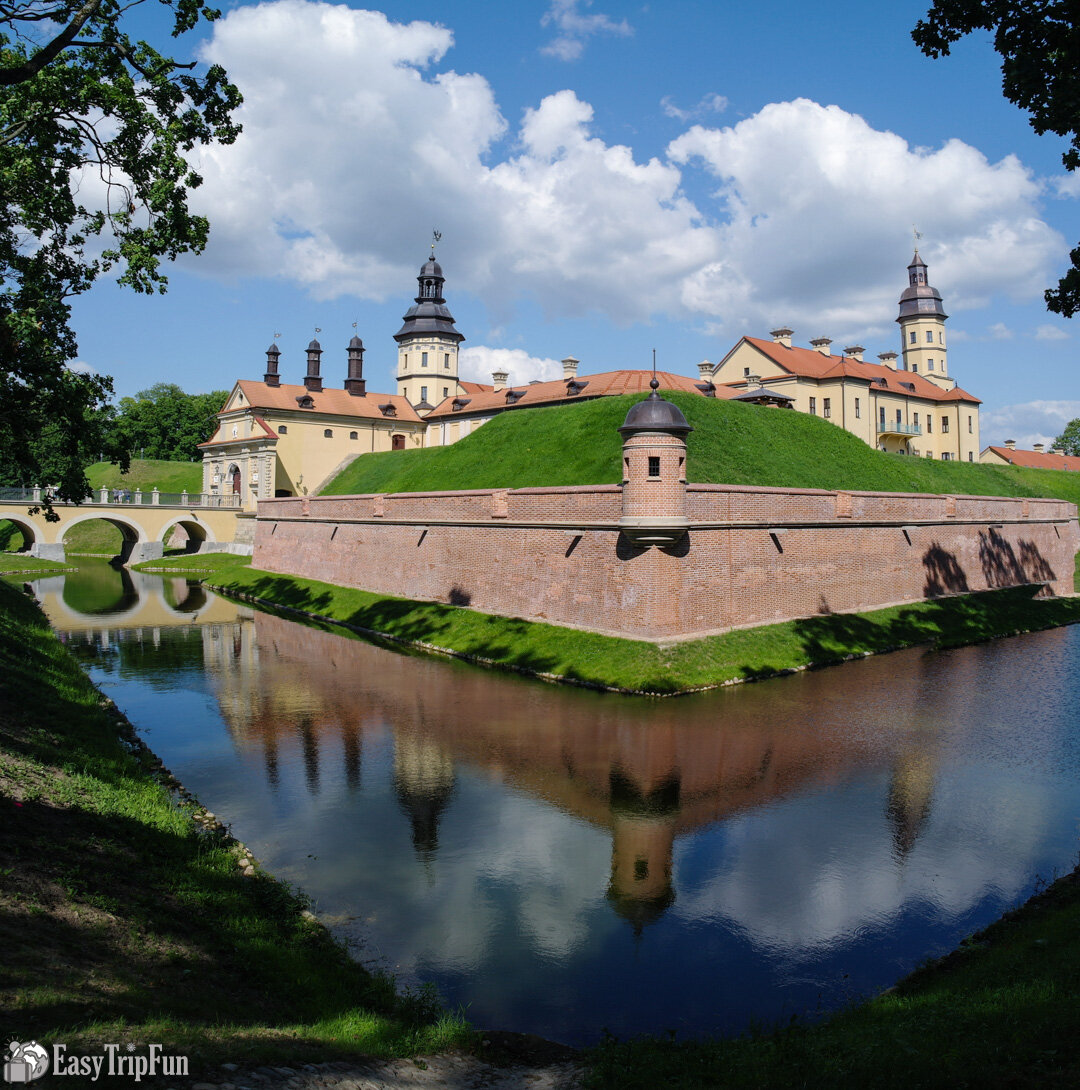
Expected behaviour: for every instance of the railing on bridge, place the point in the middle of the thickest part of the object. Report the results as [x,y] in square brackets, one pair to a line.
[127,497]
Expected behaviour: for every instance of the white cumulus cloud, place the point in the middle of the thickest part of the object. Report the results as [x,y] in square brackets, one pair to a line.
[477,363]
[1051,333]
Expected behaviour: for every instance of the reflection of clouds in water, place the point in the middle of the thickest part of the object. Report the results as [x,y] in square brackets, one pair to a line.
[803,875]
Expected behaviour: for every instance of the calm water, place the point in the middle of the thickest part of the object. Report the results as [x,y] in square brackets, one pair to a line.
[564,862]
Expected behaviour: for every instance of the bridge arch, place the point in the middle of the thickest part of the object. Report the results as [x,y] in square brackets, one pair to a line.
[26,528]
[137,544]
[198,533]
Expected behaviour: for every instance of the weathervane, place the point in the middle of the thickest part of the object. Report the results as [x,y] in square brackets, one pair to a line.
[436,236]
[654,382]
[918,235]
[276,335]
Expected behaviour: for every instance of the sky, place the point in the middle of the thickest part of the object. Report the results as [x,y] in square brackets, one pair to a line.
[609,179]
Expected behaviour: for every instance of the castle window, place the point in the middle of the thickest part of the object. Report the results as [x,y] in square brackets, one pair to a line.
[328,433]
[929,365]
[354,435]
[446,391]
[423,359]
[929,336]
[915,419]
[971,457]
[881,418]
[911,337]
[971,426]
[446,361]
[945,424]
[946,456]
[282,430]
[899,417]
[915,368]
[745,371]
[929,423]
[813,406]
[826,408]
[858,410]
[423,390]
[654,465]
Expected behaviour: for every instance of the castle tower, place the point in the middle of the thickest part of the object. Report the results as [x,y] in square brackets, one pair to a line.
[922,328]
[428,342]
[654,472]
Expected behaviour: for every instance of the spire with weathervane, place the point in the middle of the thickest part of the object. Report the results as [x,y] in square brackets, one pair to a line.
[922,326]
[428,342]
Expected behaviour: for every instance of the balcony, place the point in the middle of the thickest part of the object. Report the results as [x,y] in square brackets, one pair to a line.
[904,430]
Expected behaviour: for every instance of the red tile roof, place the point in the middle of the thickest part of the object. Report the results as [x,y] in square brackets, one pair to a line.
[328,402]
[605,384]
[810,363]
[1031,459]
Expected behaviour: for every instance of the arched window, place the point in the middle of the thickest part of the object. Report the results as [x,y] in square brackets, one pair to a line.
[328,433]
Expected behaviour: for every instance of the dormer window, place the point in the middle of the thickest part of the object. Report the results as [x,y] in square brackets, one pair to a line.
[514,396]
[305,401]
[460,403]
[573,387]
[389,409]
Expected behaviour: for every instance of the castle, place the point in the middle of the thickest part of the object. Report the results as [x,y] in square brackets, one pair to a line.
[276,439]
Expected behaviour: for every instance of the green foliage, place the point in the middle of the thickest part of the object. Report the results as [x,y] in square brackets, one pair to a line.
[1039,42]
[163,422]
[1068,442]
[731,443]
[94,133]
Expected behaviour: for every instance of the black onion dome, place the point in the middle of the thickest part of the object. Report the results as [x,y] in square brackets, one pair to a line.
[431,268]
[655,414]
[314,346]
[356,342]
[273,350]
[919,298]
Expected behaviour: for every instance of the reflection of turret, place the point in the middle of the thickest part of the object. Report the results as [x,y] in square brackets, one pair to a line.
[351,744]
[643,834]
[309,741]
[423,782]
[911,790]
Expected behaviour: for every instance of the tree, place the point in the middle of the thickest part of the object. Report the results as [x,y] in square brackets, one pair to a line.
[1068,442]
[1039,43]
[94,133]
[164,422]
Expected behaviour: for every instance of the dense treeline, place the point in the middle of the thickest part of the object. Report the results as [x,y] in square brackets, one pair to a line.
[164,422]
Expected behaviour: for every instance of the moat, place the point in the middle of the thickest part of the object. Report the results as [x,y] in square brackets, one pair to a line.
[565,862]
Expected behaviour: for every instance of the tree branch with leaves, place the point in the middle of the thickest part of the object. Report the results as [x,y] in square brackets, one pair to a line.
[1039,44]
[96,131]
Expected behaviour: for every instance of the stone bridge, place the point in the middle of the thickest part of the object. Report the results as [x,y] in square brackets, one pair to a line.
[209,523]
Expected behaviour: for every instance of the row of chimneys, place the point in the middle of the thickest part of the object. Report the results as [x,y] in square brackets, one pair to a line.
[1038,448]
[354,384]
[853,351]
[569,371]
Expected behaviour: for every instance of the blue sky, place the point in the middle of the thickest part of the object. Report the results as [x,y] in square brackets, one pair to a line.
[608,179]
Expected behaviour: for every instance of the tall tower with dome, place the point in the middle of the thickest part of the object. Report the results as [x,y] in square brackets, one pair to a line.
[922,328]
[427,367]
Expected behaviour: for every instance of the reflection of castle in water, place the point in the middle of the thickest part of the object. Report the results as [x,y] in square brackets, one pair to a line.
[645,771]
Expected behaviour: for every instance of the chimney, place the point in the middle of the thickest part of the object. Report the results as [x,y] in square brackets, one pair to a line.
[569,367]
[1011,444]
[854,352]
[1038,447]
[782,336]
[822,345]
[355,383]
[271,377]
[705,370]
[888,359]
[499,378]
[312,380]
[753,382]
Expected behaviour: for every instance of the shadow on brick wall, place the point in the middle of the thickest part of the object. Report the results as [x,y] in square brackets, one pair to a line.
[943,573]
[1003,567]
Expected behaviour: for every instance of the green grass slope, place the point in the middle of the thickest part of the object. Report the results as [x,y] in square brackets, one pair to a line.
[731,443]
[147,473]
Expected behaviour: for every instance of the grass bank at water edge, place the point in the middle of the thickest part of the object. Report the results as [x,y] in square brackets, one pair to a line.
[123,918]
[636,666]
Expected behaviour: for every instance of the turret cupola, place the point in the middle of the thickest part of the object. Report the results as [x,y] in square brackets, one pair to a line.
[654,472]
[272,378]
[922,327]
[355,383]
[428,342]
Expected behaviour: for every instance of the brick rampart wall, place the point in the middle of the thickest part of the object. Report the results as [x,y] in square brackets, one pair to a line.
[751,556]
